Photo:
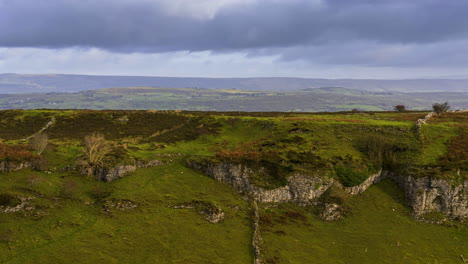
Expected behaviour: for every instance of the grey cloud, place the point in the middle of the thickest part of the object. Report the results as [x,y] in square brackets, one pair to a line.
[135,26]
[371,54]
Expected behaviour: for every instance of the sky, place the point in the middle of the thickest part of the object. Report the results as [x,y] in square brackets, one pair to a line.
[372,39]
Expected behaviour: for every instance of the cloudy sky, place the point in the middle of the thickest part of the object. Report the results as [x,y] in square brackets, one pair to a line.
[236,38]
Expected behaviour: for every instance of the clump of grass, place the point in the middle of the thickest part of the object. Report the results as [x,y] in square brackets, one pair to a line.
[100,192]
[7,236]
[69,189]
[8,199]
[335,195]
[34,179]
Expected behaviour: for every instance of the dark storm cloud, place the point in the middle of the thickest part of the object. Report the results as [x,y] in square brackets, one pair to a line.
[136,26]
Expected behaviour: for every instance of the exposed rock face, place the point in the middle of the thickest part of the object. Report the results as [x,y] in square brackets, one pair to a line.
[424,194]
[6,166]
[107,174]
[300,188]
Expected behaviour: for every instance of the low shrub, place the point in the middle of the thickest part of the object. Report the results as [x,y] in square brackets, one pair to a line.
[7,199]
[334,195]
[100,192]
[40,164]
[15,152]
[34,179]
[350,177]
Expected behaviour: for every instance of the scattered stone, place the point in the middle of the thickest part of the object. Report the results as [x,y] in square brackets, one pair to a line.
[212,212]
[119,204]
[331,212]
[23,206]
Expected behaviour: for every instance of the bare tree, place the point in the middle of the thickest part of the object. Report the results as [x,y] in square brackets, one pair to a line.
[39,142]
[441,108]
[96,148]
[400,108]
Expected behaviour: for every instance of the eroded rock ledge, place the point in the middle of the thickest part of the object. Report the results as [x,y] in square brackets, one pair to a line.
[424,194]
[108,174]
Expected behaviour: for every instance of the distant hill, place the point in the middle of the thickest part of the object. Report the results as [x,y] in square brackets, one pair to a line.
[308,100]
[46,83]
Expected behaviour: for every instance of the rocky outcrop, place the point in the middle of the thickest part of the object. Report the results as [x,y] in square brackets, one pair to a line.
[301,188]
[23,205]
[424,194]
[331,212]
[35,163]
[108,174]
[6,166]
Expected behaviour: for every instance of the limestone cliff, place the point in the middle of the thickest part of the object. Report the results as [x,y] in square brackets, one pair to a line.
[424,194]
[108,174]
[301,188]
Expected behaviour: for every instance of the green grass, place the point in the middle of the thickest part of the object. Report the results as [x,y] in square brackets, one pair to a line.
[435,139]
[379,229]
[75,231]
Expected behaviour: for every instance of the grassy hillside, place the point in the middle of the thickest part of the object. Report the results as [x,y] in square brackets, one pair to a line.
[66,216]
[379,229]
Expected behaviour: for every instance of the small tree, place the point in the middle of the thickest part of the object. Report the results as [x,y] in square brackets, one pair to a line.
[39,142]
[399,108]
[441,108]
[96,148]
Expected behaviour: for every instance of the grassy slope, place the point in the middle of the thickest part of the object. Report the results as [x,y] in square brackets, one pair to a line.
[153,233]
[378,230]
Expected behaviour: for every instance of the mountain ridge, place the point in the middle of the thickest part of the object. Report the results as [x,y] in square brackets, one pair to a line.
[43,83]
